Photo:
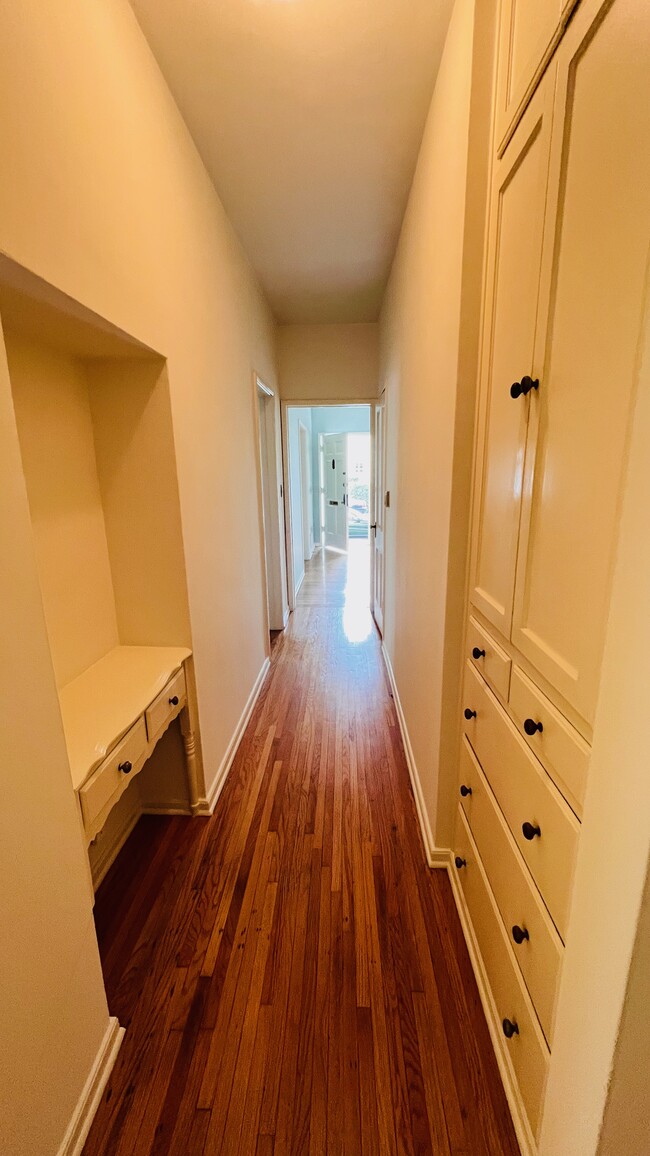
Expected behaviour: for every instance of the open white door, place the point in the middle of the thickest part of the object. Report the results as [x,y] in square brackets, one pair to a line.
[334,451]
[377,526]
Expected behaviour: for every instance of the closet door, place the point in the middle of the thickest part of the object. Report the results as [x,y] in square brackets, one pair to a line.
[528,32]
[594,296]
[510,310]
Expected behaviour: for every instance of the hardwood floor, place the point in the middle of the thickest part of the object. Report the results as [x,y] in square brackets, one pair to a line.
[292,976]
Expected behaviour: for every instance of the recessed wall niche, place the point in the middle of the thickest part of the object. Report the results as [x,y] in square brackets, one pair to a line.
[94,425]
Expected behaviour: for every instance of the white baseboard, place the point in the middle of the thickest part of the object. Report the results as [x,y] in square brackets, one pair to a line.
[285,618]
[297,590]
[510,1086]
[77,1131]
[435,856]
[175,807]
[206,806]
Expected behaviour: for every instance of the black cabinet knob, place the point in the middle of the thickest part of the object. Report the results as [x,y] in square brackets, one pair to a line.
[476,653]
[521,388]
[510,1029]
[173,700]
[465,791]
[531,727]
[460,862]
[125,767]
[469,713]
[530,830]
[519,934]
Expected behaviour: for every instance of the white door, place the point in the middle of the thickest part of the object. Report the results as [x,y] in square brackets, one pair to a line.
[596,292]
[378,514]
[509,370]
[334,450]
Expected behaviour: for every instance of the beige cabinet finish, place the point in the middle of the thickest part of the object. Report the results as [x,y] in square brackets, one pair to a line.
[529,30]
[539,956]
[510,312]
[166,706]
[563,752]
[594,291]
[526,1051]
[102,790]
[489,658]
[526,795]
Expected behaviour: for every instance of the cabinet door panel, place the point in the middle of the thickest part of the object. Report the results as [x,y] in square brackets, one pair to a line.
[510,311]
[594,289]
[528,33]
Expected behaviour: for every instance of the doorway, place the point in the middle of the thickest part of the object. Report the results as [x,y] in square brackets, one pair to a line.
[333,446]
[271,505]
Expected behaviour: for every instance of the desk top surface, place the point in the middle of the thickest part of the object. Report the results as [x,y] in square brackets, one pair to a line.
[100,705]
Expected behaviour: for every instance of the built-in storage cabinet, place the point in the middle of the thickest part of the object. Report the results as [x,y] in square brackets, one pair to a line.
[508,357]
[565,305]
[94,425]
[529,32]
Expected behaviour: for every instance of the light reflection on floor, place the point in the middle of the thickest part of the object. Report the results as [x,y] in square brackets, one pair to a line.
[342,580]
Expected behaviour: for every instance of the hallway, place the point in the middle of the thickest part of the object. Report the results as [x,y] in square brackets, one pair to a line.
[292,977]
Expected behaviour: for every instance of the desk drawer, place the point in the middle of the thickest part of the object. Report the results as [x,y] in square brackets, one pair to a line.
[113,776]
[564,752]
[526,1050]
[544,828]
[166,706]
[487,656]
[540,955]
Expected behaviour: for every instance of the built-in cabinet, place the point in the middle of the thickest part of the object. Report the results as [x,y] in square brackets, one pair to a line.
[563,312]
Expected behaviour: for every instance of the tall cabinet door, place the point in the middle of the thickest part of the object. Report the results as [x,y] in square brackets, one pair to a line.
[528,31]
[594,297]
[509,318]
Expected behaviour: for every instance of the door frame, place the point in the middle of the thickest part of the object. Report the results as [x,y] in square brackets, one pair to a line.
[315,403]
[270,506]
[305,459]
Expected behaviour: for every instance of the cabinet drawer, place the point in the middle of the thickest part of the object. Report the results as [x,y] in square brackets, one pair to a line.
[540,955]
[527,1050]
[564,752]
[108,781]
[494,664]
[526,795]
[166,706]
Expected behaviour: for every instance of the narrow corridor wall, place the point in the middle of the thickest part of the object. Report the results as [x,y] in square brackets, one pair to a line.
[328,362]
[428,359]
[108,201]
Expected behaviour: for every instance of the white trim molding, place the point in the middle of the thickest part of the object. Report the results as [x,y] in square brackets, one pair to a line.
[206,806]
[77,1131]
[435,856]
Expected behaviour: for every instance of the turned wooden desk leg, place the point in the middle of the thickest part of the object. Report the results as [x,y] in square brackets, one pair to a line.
[189,740]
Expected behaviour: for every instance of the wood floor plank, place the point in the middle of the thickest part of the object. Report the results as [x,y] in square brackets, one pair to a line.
[292,976]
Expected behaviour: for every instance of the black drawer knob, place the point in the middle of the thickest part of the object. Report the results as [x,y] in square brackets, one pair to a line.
[469,714]
[521,388]
[510,1029]
[460,862]
[530,830]
[465,791]
[476,653]
[125,767]
[531,727]
[173,700]
[519,934]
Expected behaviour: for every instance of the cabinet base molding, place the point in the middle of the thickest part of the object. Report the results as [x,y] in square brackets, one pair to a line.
[515,1103]
[206,805]
[88,1103]
[435,857]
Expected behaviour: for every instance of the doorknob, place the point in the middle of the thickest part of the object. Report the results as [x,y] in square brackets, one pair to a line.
[521,388]
[333,503]
[373,526]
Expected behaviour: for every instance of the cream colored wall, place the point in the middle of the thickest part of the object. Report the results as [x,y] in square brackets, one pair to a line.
[136,465]
[328,362]
[54,1012]
[58,453]
[429,342]
[108,200]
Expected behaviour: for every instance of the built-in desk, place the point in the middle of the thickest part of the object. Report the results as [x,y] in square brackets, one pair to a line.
[113,715]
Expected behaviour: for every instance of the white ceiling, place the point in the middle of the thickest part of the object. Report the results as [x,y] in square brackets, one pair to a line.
[308,115]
